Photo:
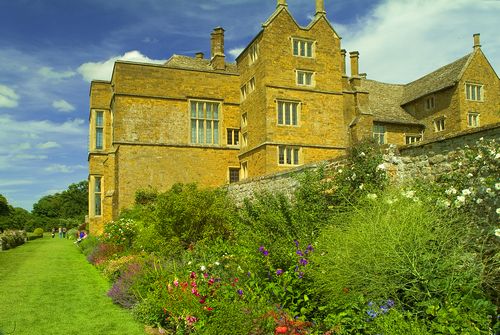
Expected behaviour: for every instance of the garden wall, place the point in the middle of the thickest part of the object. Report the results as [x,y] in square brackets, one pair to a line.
[426,159]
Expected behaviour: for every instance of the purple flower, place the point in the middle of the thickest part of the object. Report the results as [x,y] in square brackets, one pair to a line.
[279,272]
[303,261]
[390,303]
[296,243]
[310,248]
[240,292]
[371,313]
[265,253]
[299,252]
[301,275]
[261,248]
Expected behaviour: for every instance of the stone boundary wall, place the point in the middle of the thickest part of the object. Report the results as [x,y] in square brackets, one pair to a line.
[426,159]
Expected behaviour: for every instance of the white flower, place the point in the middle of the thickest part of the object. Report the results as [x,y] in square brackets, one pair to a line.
[339,170]
[479,157]
[497,232]
[409,194]
[444,203]
[362,186]
[189,263]
[461,198]
[479,201]
[466,192]
[203,268]
[497,186]
[217,263]
[353,176]
[451,191]
[381,166]
[470,175]
[497,156]
[362,154]
[498,211]
[372,196]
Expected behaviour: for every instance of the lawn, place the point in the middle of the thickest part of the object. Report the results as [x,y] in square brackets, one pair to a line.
[48,287]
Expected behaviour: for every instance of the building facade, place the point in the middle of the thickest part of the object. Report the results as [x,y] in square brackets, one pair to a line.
[287,101]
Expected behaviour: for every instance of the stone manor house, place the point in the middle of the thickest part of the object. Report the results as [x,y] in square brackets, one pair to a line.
[287,101]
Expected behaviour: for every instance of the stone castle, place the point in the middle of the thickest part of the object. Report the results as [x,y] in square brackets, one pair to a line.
[286,102]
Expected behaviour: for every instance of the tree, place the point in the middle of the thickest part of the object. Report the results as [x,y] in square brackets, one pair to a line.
[69,204]
[4,206]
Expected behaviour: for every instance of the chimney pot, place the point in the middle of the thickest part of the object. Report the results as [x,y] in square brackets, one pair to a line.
[354,63]
[217,57]
[281,3]
[200,55]
[477,41]
[320,7]
[342,54]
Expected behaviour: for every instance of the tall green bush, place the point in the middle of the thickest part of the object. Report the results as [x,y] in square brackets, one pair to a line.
[395,247]
[183,216]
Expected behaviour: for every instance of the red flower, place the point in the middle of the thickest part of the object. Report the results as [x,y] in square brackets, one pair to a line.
[281,330]
[193,275]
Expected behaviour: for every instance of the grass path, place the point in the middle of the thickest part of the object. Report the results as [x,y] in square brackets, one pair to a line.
[47,287]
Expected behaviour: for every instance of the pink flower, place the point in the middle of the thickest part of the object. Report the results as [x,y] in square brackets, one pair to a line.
[176,283]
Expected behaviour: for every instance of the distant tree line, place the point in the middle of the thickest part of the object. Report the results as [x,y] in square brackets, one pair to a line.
[64,209]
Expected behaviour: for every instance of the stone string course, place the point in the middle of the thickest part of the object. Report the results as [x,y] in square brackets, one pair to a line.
[427,159]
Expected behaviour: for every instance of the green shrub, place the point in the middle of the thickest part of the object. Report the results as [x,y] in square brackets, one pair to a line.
[38,232]
[120,232]
[183,216]
[396,247]
[12,238]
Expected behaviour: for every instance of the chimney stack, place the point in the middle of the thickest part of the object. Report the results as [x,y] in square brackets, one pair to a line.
[320,8]
[354,63]
[342,56]
[217,59]
[199,55]
[281,3]
[477,41]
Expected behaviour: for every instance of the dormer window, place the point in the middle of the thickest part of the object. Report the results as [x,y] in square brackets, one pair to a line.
[302,47]
[430,103]
[474,92]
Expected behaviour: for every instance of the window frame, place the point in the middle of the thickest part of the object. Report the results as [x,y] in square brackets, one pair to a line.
[413,138]
[288,117]
[253,53]
[99,130]
[378,136]
[473,116]
[230,134]
[231,173]
[430,103]
[244,140]
[96,195]
[439,124]
[303,74]
[215,122]
[244,170]
[289,155]
[302,50]
[472,90]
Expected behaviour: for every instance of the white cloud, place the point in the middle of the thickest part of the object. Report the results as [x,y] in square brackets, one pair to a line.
[103,70]
[62,168]
[402,40]
[63,106]
[58,168]
[48,145]
[8,97]
[20,146]
[235,52]
[15,182]
[47,73]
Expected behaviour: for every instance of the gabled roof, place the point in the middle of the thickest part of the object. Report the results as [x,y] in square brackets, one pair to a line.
[198,64]
[383,101]
[440,79]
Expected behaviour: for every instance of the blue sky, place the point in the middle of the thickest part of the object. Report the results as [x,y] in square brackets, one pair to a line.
[51,49]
